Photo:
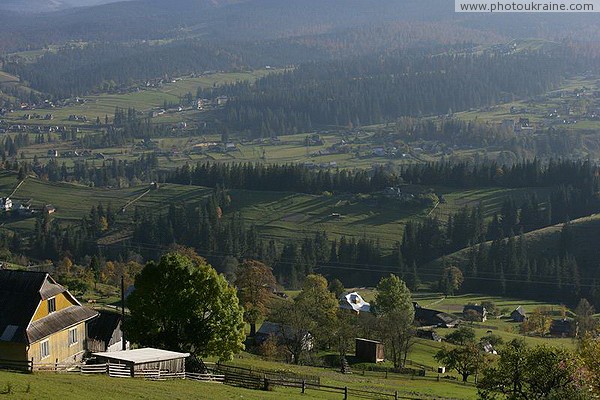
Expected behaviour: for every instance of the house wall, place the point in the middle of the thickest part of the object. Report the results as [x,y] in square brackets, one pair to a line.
[13,351]
[62,301]
[59,347]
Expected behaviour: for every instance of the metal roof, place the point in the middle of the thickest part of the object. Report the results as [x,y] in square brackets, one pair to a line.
[142,356]
[57,321]
[20,294]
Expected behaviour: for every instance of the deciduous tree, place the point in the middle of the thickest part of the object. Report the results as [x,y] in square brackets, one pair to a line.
[182,304]
[255,283]
[395,315]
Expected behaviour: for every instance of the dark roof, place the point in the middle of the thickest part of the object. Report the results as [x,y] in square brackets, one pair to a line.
[278,330]
[561,326]
[59,320]
[479,309]
[426,316]
[103,327]
[20,295]
[519,310]
[19,298]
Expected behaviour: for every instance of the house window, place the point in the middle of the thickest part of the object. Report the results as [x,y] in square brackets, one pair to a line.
[72,336]
[51,305]
[44,349]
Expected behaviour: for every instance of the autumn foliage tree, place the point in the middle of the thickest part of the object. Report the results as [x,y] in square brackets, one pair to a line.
[451,280]
[255,283]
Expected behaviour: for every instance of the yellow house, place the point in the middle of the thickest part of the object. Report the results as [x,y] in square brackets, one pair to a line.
[40,320]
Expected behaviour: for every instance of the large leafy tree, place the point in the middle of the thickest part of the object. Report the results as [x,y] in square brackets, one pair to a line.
[541,372]
[451,280]
[182,304]
[310,320]
[466,360]
[585,319]
[395,315]
[255,283]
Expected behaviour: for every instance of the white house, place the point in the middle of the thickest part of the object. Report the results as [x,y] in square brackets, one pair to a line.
[6,204]
[354,301]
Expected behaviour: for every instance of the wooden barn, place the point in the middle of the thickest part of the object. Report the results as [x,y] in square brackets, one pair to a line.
[369,350]
[105,333]
[140,362]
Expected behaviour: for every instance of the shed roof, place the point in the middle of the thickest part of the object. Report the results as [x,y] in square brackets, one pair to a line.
[142,356]
[519,310]
[368,340]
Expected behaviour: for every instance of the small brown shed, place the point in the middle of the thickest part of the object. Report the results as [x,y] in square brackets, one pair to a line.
[369,350]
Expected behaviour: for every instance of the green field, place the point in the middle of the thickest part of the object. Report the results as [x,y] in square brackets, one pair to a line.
[143,100]
[52,386]
[280,215]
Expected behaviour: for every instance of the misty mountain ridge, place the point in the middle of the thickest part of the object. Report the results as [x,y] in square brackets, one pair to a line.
[42,6]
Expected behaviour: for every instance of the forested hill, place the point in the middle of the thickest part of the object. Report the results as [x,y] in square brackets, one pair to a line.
[371,91]
[556,262]
[259,20]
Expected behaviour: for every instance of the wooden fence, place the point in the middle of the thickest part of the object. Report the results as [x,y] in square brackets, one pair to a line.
[264,373]
[204,377]
[11,365]
[249,378]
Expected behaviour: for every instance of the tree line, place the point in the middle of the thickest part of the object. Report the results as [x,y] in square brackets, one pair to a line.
[374,90]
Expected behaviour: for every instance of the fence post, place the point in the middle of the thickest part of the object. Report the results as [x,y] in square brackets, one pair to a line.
[303,386]
[386,372]
[55,364]
[345,392]
[31,365]
[396,395]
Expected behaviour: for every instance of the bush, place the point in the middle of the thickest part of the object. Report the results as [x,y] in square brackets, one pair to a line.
[461,336]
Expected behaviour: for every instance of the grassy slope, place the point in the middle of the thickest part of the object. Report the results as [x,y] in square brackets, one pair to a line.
[278,215]
[545,242]
[144,100]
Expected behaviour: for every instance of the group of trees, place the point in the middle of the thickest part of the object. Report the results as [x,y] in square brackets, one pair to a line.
[374,90]
[315,314]
[181,303]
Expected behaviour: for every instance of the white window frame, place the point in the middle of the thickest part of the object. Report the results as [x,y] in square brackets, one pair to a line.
[45,345]
[73,339]
[51,300]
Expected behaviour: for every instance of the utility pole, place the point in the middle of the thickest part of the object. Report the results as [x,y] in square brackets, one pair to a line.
[123,341]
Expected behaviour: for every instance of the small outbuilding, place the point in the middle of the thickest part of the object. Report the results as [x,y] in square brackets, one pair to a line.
[105,333]
[562,328]
[474,312]
[518,315]
[369,350]
[139,361]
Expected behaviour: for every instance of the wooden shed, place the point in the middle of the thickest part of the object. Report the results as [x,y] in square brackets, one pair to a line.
[369,350]
[142,362]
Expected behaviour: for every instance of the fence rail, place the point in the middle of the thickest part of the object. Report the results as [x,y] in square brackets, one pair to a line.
[269,374]
[251,379]
[119,371]
[13,365]
[204,377]
[94,369]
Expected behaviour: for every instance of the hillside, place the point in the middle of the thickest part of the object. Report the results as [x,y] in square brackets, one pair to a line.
[551,264]
[316,22]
